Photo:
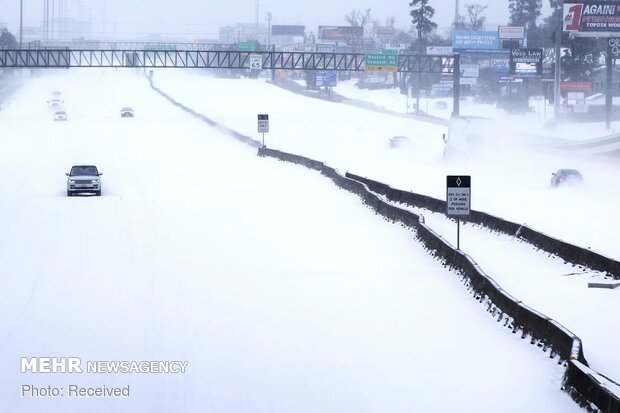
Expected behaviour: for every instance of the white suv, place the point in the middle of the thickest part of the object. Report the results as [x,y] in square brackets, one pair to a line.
[83,179]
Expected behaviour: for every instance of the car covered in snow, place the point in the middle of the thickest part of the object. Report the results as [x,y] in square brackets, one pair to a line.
[55,102]
[127,112]
[60,115]
[83,179]
[566,176]
[399,141]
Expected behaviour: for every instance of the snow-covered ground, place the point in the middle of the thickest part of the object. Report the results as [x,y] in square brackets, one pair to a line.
[509,178]
[283,293]
[547,284]
[538,122]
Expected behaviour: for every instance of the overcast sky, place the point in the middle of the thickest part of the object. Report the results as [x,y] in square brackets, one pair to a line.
[202,18]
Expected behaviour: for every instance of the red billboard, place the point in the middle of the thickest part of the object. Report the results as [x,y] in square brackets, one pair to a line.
[576,86]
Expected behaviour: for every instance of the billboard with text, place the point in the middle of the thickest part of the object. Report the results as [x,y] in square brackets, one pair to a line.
[342,33]
[526,62]
[475,40]
[592,18]
[287,30]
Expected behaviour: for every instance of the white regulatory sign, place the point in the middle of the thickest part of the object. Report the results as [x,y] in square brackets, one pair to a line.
[263,123]
[458,195]
[256,61]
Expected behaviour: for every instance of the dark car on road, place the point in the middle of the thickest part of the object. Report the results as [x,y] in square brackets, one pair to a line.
[127,112]
[566,176]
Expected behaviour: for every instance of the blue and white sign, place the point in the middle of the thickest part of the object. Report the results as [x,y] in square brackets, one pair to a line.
[500,66]
[475,40]
[327,78]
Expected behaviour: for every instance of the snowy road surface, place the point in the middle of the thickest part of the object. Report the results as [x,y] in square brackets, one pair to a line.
[283,293]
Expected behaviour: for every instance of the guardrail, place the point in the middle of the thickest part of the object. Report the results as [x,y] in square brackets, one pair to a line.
[581,382]
[586,386]
[569,252]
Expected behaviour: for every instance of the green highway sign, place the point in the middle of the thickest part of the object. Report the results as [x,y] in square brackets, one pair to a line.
[160,46]
[381,62]
[247,46]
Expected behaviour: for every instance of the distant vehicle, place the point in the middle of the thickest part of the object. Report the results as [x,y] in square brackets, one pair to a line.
[127,112]
[55,102]
[60,115]
[399,141]
[56,93]
[566,176]
[83,179]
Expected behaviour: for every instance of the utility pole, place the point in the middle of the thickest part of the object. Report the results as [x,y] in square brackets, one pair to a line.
[456,12]
[21,22]
[558,58]
[257,20]
[268,28]
[53,11]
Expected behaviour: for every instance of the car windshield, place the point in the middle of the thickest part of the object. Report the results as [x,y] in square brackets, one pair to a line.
[84,170]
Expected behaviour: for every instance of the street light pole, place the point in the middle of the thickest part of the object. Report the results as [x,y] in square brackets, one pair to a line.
[21,22]
[558,58]
[456,13]
[269,28]
[257,20]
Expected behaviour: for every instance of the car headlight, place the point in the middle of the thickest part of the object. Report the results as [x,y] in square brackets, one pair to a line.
[71,181]
[94,181]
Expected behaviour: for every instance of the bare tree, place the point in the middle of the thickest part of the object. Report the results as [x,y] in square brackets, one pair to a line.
[475,16]
[358,18]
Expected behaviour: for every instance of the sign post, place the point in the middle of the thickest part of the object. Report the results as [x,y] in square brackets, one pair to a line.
[263,125]
[613,53]
[458,200]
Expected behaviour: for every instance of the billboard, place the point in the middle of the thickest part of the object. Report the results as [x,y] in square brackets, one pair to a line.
[340,32]
[592,18]
[526,62]
[287,30]
[386,31]
[470,70]
[576,86]
[439,50]
[475,40]
[500,66]
[511,32]
[325,48]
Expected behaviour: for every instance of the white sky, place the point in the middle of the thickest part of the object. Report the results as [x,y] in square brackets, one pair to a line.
[201,18]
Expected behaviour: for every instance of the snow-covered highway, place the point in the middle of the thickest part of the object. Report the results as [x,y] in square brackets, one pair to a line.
[283,293]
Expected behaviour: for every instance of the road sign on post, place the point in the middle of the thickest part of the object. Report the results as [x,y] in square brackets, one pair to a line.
[263,125]
[458,200]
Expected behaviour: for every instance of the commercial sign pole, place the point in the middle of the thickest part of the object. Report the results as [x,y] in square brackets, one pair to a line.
[613,52]
[456,88]
[558,59]
[458,200]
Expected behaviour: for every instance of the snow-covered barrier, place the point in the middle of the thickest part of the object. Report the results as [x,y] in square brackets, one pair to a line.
[242,138]
[590,389]
[587,387]
[569,252]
